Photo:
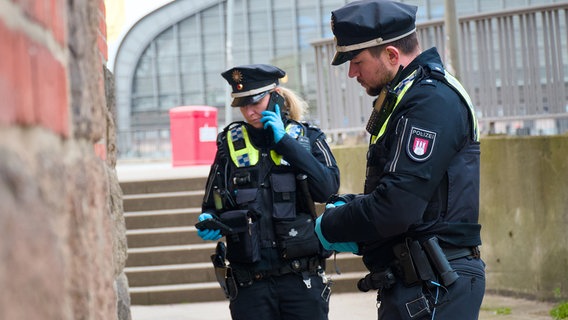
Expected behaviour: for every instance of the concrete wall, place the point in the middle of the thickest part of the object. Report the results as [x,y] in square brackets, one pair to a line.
[524,211]
[62,232]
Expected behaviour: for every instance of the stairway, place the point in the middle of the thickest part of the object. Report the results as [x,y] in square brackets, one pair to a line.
[167,262]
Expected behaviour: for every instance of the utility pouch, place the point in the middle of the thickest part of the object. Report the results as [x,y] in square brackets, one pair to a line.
[245,196]
[404,265]
[283,196]
[243,245]
[296,238]
[422,263]
[440,262]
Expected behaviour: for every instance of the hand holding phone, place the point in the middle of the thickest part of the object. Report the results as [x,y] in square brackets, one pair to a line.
[273,118]
[276,99]
[214,224]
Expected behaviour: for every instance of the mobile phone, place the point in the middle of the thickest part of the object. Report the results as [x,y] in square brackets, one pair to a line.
[214,224]
[276,98]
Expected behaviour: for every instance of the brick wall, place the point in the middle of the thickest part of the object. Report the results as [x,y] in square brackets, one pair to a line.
[62,233]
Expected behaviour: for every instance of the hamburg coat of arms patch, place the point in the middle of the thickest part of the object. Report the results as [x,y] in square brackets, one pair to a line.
[420,144]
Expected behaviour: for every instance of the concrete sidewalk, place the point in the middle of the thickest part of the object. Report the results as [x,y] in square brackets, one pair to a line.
[351,306]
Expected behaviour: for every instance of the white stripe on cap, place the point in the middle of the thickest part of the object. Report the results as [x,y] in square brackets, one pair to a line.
[254,91]
[370,43]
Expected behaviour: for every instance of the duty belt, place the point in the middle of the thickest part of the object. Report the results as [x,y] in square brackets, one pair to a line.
[456,253]
[418,262]
[310,265]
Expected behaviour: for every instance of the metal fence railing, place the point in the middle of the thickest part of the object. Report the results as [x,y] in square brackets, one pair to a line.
[150,144]
[513,64]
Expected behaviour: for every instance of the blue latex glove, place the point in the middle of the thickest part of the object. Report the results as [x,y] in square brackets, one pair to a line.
[335,204]
[336,246]
[208,234]
[273,120]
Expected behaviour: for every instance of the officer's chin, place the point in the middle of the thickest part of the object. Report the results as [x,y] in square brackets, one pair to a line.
[256,124]
[373,92]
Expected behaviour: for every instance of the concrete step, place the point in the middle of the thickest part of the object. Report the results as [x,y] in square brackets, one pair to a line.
[165,185]
[163,201]
[171,274]
[178,293]
[167,255]
[161,218]
[210,291]
[203,271]
[170,236]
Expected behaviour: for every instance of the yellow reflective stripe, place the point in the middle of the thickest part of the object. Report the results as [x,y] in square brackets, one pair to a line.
[248,152]
[276,158]
[458,86]
[292,130]
[454,83]
[402,92]
[399,97]
[249,155]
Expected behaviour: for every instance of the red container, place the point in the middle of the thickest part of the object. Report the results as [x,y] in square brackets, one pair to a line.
[193,134]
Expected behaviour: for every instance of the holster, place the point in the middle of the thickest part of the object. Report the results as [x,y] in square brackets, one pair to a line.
[223,273]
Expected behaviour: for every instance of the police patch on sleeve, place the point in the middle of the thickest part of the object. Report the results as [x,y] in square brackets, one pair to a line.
[420,144]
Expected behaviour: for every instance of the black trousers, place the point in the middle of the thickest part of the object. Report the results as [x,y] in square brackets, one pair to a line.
[281,298]
[462,300]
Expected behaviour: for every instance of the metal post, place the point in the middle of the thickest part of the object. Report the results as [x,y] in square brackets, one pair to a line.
[452,46]
[229,60]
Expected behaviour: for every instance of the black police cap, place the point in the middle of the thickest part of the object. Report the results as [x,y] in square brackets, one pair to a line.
[252,82]
[364,24]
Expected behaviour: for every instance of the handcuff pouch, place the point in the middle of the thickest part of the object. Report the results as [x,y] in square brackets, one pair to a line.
[243,245]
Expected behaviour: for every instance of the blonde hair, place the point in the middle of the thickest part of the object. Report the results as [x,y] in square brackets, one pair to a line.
[295,106]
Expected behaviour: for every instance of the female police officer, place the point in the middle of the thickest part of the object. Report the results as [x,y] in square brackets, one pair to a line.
[267,172]
[416,226]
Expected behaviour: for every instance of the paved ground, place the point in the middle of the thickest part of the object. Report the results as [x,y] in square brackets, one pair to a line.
[156,170]
[352,306]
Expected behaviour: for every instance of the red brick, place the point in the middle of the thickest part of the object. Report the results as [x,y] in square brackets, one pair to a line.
[16,89]
[100,150]
[50,14]
[24,48]
[59,21]
[103,48]
[50,92]
[7,62]
[102,35]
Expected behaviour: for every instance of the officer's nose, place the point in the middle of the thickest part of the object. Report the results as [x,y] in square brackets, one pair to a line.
[248,109]
[353,70]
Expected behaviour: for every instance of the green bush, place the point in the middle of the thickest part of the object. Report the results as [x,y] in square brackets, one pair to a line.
[560,312]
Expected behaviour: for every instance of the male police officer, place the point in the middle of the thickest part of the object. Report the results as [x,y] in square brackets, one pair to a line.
[267,172]
[416,225]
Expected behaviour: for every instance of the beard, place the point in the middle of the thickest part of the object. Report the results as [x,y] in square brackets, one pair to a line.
[384,76]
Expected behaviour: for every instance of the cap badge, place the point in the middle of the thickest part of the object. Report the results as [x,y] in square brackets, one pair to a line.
[237,77]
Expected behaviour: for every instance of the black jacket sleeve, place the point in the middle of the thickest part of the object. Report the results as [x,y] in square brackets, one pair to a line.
[403,192]
[318,164]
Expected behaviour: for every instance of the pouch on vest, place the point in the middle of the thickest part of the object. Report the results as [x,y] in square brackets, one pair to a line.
[245,196]
[283,196]
[243,245]
[296,238]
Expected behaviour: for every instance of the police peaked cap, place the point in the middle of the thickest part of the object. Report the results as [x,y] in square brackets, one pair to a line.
[252,82]
[368,23]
